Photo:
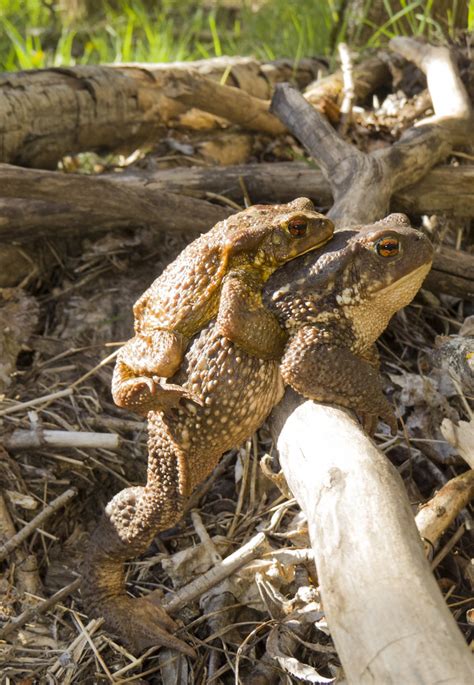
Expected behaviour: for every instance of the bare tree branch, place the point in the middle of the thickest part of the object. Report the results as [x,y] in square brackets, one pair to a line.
[386,614]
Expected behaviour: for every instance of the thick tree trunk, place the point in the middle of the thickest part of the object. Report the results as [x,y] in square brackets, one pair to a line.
[386,614]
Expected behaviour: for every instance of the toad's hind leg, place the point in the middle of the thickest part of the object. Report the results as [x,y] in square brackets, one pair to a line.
[131,521]
[140,364]
[243,319]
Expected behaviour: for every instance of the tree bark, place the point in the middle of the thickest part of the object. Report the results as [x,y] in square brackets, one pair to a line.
[385,612]
[444,190]
[452,273]
[36,203]
[49,113]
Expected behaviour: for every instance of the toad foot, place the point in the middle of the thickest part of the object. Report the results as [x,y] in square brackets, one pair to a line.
[143,394]
[143,623]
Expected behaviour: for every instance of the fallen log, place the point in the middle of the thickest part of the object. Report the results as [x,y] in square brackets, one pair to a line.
[48,113]
[227,102]
[386,615]
[445,189]
[35,203]
[38,203]
[452,273]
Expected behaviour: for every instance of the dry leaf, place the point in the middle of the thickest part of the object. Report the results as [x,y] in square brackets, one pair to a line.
[461,437]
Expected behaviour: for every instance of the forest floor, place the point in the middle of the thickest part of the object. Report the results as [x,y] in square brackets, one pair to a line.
[78,317]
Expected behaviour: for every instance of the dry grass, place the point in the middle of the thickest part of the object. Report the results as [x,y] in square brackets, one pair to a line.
[85,309]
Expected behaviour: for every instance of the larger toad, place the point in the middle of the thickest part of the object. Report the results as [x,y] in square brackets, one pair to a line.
[334,303]
[335,306]
[219,274]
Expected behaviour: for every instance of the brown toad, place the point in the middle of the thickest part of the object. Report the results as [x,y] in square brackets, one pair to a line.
[220,274]
[334,303]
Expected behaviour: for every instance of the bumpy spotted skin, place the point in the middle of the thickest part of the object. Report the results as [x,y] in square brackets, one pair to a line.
[237,392]
[332,305]
[246,247]
[336,304]
[243,320]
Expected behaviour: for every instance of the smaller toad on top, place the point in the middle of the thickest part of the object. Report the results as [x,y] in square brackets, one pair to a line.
[220,274]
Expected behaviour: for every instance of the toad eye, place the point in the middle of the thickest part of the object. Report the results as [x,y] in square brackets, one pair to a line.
[387,247]
[297,227]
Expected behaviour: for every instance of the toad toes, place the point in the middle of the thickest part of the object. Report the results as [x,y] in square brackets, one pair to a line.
[220,274]
[333,303]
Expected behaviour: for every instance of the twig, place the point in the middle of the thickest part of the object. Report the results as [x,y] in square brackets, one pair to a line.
[103,362]
[245,192]
[27,439]
[88,637]
[216,574]
[348,88]
[242,490]
[436,515]
[77,645]
[35,523]
[39,400]
[204,537]
[448,546]
[34,612]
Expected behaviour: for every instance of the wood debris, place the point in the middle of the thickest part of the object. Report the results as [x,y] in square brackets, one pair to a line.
[79,250]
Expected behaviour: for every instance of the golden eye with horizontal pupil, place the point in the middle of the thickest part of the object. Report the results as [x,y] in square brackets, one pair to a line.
[387,247]
[297,227]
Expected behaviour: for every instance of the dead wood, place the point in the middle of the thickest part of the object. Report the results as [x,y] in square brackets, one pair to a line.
[40,203]
[437,515]
[32,613]
[37,438]
[49,113]
[13,542]
[247,73]
[445,189]
[26,573]
[227,102]
[222,569]
[386,615]
[363,534]
[35,203]
[452,273]
[367,76]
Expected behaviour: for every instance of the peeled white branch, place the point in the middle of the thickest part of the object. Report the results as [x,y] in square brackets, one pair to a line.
[387,617]
[27,439]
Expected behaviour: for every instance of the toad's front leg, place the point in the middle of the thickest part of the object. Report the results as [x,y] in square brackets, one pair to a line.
[243,318]
[326,370]
[141,362]
[131,521]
